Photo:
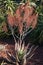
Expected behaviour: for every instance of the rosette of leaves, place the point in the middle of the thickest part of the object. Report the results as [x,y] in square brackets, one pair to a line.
[22,54]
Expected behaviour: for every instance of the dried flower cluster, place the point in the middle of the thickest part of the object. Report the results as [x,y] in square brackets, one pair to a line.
[24,17]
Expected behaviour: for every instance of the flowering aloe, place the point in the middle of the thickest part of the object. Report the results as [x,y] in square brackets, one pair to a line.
[25,18]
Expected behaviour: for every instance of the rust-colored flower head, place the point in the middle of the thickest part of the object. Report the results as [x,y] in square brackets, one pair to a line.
[25,13]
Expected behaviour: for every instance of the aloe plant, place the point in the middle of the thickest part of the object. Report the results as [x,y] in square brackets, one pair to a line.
[22,54]
[27,19]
